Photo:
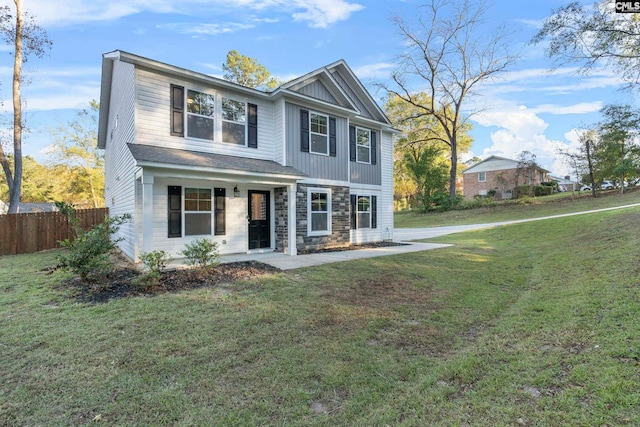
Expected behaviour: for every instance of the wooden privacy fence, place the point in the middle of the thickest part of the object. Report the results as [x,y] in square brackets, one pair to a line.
[33,232]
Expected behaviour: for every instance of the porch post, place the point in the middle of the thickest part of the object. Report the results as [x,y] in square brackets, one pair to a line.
[292,220]
[147,213]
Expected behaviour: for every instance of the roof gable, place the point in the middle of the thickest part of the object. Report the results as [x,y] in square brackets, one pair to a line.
[319,84]
[495,163]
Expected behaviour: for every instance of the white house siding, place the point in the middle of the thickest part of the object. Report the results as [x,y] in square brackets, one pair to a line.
[235,239]
[385,203]
[153,122]
[119,176]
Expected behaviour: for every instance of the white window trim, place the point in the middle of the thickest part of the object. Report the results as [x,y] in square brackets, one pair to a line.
[358,226]
[217,105]
[311,133]
[245,123]
[185,212]
[484,174]
[326,191]
[359,145]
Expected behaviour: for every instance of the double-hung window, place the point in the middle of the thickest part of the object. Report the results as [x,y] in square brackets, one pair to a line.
[482,177]
[319,210]
[364,211]
[197,211]
[234,121]
[363,145]
[200,114]
[319,130]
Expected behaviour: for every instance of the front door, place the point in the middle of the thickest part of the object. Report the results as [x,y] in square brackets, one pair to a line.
[259,223]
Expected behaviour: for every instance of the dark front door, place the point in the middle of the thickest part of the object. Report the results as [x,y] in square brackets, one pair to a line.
[259,223]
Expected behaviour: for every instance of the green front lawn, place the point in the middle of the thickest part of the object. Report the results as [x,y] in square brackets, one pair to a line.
[534,208]
[532,324]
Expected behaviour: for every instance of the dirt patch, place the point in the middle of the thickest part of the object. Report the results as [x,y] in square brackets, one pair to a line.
[120,283]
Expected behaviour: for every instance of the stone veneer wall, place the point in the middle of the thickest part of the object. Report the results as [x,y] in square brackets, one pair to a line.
[340,221]
[281,222]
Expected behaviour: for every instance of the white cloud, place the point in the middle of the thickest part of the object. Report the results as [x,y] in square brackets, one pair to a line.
[206,29]
[378,70]
[579,108]
[316,13]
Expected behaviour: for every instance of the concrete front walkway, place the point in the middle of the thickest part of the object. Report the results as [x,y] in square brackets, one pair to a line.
[405,235]
[286,262]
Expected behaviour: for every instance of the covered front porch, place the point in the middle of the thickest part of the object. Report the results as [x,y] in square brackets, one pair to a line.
[241,204]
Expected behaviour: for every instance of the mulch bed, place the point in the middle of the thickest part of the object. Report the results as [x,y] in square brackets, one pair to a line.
[120,282]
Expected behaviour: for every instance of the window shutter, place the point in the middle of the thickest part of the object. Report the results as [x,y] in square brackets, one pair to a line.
[374,211]
[354,211]
[332,136]
[253,126]
[304,131]
[373,146]
[220,210]
[175,211]
[352,143]
[177,110]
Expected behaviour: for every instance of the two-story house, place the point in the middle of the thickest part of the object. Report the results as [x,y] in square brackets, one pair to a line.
[306,166]
[499,174]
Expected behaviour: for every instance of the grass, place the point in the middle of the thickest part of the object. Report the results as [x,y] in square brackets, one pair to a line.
[536,207]
[530,324]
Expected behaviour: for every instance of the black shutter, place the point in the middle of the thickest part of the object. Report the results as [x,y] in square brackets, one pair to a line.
[177,110]
[220,209]
[304,131]
[332,136]
[253,126]
[354,211]
[373,146]
[374,211]
[175,211]
[352,143]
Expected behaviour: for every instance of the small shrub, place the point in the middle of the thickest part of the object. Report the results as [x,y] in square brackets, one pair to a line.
[88,255]
[154,262]
[202,253]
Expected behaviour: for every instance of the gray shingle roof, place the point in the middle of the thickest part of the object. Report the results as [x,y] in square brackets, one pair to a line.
[173,156]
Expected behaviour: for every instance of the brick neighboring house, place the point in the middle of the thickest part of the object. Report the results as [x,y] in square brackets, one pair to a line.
[499,174]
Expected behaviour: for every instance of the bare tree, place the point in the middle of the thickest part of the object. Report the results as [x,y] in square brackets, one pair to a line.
[27,38]
[593,35]
[450,52]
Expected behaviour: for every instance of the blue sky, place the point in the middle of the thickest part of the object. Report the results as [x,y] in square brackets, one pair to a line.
[529,108]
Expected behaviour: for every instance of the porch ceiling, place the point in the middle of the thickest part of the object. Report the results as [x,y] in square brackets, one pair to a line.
[147,155]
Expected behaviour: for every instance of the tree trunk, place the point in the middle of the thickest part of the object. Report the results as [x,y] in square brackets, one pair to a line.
[14,199]
[593,184]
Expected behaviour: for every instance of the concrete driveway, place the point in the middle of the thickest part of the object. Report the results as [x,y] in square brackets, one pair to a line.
[407,234]
[401,235]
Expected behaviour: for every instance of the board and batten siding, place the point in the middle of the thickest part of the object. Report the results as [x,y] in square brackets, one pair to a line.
[120,173]
[384,194]
[317,90]
[364,173]
[317,166]
[352,95]
[153,117]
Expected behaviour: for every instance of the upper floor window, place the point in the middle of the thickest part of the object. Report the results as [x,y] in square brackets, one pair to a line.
[237,120]
[234,121]
[482,177]
[319,127]
[363,145]
[200,114]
